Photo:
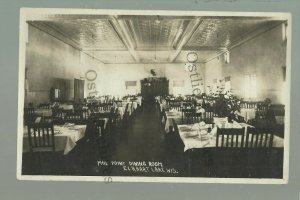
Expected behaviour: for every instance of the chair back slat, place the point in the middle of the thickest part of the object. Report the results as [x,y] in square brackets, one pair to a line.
[230,138]
[75,118]
[259,138]
[174,105]
[188,116]
[208,117]
[41,137]
[29,115]
[44,106]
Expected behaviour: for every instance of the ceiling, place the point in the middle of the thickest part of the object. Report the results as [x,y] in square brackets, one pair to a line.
[153,39]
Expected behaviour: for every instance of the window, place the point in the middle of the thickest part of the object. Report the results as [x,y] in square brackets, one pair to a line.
[131,87]
[178,83]
[250,86]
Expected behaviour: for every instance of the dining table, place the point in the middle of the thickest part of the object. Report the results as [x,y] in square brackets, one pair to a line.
[169,118]
[65,137]
[163,105]
[121,111]
[139,101]
[132,106]
[248,113]
[195,136]
[66,106]
[43,112]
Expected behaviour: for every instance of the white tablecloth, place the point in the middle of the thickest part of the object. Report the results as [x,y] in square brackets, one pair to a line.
[121,111]
[134,105]
[43,112]
[168,119]
[163,105]
[191,139]
[66,107]
[139,101]
[248,113]
[65,137]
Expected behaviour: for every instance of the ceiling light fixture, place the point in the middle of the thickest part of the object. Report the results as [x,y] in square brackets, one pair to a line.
[227,57]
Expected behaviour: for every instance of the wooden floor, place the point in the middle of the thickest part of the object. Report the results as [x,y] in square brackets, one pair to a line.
[142,139]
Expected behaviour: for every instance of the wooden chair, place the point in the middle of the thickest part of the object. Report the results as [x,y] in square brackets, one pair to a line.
[44,106]
[41,137]
[29,116]
[105,107]
[175,105]
[196,118]
[95,128]
[44,158]
[261,111]
[189,116]
[262,159]
[75,118]
[85,115]
[208,117]
[230,137]
[58,115]
[229,155]
[187,104]
[259,138]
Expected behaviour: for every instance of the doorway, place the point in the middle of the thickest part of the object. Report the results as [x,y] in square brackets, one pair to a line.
[152,87]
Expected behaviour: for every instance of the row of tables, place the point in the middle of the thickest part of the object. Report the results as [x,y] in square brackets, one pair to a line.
[67,135]
[191,137]
[246,113]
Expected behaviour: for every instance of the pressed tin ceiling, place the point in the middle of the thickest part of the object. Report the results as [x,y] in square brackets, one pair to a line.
[151,34]
[151,39]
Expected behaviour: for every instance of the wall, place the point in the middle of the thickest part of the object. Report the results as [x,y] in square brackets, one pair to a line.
[93,76]
[178,72]
[115,75]
[49,60]
[265,55]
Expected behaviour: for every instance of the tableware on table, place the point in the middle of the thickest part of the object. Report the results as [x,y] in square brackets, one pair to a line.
[203,132]
[185,128]
[204,138]
[202,124]
[195,127]
[57,132]
[69,124]
[193,134]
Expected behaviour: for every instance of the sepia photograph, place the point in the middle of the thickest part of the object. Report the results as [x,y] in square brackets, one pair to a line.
[154,96]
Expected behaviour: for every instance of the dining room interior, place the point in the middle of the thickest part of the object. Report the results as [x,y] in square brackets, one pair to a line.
[155,96]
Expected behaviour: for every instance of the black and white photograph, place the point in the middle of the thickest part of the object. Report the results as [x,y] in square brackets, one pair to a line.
[154,96]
